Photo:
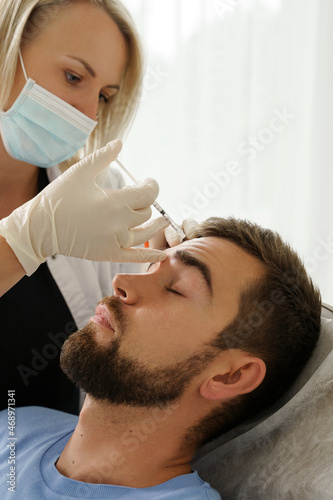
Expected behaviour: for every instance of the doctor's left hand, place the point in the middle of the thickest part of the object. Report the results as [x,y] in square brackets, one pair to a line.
[74,216]
[170,238]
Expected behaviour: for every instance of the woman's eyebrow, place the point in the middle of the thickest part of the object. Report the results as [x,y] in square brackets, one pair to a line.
[187,259]
[90,70]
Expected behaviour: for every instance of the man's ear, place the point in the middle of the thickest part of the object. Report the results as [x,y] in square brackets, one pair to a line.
[230,376]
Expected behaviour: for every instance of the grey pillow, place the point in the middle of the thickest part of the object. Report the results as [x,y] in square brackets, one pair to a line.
[286,453]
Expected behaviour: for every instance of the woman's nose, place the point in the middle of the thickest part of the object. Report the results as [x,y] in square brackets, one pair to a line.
[91,109]
[88,106]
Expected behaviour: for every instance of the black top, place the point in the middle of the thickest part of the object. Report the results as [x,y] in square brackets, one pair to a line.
[34,323]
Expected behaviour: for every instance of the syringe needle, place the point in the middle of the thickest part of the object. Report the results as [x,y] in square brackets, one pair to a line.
[158,207]
[136,182]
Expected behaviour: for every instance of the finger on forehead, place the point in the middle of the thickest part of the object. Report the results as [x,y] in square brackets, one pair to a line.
[147,230]
[141,255]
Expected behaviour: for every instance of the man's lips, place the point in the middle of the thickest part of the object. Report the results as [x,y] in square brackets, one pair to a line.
[103,317]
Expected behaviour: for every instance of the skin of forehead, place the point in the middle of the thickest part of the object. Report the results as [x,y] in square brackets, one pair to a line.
[221,255]
[81,18]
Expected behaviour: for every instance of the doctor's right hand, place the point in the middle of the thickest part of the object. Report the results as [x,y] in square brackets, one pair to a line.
[74,216]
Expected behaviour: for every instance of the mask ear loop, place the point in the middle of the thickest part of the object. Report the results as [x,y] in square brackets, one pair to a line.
[23,68]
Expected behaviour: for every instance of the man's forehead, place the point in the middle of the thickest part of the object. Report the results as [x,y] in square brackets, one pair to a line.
[210,247]
[223,257]
[194,242]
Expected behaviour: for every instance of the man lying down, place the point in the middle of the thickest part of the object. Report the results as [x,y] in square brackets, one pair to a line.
[170,361]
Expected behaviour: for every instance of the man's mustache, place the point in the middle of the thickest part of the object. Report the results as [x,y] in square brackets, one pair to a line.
[116,308]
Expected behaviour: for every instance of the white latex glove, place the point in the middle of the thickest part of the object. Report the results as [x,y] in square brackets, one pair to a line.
[189,226]
[73,216]
[170,238]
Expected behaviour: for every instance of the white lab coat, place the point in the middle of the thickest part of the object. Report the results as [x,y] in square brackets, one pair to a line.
[82,282]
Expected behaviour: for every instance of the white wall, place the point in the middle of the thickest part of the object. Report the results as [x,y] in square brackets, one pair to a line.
[236,117]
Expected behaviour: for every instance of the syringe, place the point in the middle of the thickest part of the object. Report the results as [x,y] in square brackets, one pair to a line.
[158,207]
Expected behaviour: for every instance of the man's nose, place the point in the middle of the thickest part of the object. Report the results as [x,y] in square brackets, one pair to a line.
[127,287]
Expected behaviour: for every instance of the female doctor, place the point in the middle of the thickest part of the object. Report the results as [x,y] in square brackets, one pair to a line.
[70,77]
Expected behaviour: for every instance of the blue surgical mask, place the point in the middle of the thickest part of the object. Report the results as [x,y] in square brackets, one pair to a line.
[42,129]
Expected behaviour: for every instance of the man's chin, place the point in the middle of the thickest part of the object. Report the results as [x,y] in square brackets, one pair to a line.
[74,352]
[105,374]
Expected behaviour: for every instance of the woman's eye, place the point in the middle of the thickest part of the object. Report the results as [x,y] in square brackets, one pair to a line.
[72,78]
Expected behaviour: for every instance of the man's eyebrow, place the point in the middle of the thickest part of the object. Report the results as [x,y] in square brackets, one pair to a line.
[187,259]
[91,71]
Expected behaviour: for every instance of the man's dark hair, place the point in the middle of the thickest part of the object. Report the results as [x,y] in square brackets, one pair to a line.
[278,321]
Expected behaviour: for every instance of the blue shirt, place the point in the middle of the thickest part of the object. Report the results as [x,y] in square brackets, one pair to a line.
[31,444]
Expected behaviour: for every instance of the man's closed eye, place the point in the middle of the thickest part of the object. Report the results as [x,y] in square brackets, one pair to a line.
[172,290]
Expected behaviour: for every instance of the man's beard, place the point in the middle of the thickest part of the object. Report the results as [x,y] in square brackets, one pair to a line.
[106,374]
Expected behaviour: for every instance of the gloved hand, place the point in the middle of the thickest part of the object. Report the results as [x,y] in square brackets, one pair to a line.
[73,216]
[189,226]
[170,238]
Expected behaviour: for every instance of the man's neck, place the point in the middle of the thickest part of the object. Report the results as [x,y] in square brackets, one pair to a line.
[126,446]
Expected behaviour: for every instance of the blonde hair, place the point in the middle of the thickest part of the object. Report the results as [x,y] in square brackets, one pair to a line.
[22,20]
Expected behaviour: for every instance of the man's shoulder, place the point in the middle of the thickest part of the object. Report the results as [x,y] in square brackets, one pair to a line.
[28,434]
